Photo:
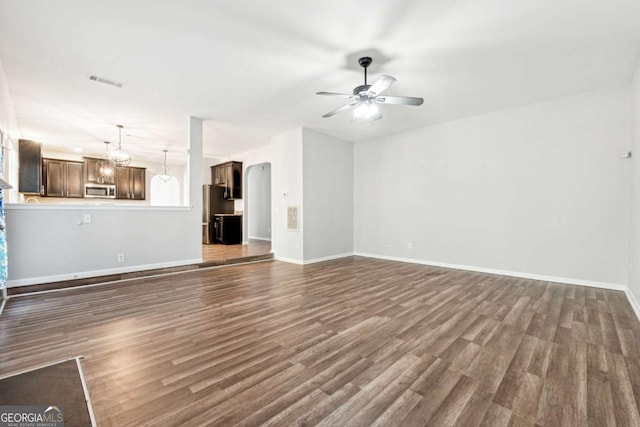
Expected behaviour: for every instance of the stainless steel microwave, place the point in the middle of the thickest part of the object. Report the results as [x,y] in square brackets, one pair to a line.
[100,191]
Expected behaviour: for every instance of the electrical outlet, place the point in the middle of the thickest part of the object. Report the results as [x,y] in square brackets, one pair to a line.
[86,218]
[120,257]
[388,242]
[409,245]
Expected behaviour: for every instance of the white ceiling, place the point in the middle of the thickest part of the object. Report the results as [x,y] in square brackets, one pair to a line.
[251,68]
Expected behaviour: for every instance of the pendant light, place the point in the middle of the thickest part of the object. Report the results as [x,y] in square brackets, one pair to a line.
[105,166]
[165,177]
[119,157]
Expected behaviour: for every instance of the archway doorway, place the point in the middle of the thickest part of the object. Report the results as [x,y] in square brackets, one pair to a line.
[258,204]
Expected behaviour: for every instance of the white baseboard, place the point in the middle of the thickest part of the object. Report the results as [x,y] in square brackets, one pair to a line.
[265,239]
[97,273]
[542,277]
[633,301]
[327,258]
[289,260]
[313,260]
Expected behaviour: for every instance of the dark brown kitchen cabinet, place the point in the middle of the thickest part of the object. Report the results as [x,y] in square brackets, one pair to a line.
[229,176]
[219,175]
[227,229]
[62,178]
[130,183]
[75,179]
[29,166]
[95,171]
[138,183]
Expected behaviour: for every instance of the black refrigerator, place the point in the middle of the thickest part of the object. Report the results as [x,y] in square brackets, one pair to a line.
[213,202]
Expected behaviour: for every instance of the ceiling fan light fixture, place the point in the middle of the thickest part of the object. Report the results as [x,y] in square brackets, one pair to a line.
[365,97]
[366,112]
[119,157]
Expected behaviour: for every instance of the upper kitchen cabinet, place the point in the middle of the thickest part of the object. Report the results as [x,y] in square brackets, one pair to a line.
[62,178]
[95,171]
[130,183]
[219,175]
[229,176]
[29,161]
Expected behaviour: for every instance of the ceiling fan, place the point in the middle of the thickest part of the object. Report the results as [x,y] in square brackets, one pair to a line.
[366,97]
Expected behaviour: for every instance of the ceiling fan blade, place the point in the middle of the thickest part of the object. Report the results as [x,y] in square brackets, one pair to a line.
[399,100]
[338,110]
[344,95]
[381,85]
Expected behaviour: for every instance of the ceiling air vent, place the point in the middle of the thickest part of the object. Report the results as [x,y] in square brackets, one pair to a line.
[105,81]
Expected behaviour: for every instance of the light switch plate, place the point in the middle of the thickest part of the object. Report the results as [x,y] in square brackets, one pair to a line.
[86,218]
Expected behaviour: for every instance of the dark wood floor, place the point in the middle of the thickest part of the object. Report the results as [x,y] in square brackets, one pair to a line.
[218,252]
[348,342]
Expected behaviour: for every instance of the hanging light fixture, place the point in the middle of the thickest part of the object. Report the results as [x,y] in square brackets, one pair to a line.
[105,166]
[165,176]
[366,112]
[119,157]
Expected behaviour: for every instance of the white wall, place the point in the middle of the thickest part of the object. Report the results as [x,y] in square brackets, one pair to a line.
[286,190]
[207,162]
[328,196]
[194,195]
[7,114]
[314,172]
[46,243]
[258,201]
[634,247]
[537,189]
[164,193]
[9,128]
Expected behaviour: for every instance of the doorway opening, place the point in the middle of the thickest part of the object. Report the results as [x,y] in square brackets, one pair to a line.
[258,203]
[256,219]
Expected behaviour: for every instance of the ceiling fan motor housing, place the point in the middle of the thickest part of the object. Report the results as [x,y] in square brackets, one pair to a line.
[365,61]
[360,89]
